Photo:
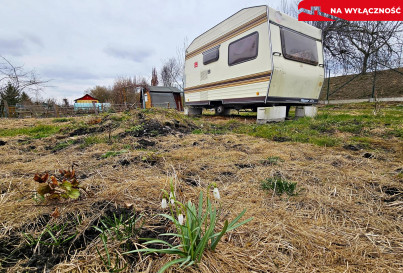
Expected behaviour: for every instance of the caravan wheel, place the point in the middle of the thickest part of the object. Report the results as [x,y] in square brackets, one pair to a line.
[222,111]
[219,110]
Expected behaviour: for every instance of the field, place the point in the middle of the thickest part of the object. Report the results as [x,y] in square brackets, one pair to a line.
[341,209]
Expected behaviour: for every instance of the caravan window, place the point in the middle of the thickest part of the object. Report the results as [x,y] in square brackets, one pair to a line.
[211,55]
[299,47]
[244,49]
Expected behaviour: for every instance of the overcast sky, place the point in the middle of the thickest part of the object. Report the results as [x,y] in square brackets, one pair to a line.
[77,44]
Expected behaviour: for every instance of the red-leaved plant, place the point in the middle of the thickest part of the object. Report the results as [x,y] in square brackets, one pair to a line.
[53,188]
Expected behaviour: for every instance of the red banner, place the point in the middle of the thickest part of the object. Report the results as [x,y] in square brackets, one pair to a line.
[353,10]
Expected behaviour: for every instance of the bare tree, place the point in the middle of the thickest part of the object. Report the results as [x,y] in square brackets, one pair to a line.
[141,81]
[373,42]
[20,79]
[51,102]
[66,102]
[124,89]
[359,46]
[102,93]
[180,59]
[356,46]
[290,8]
[154,77]
[171,72]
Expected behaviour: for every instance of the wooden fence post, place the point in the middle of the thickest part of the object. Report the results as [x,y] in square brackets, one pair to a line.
[6,112]
[56,110]
[95,108]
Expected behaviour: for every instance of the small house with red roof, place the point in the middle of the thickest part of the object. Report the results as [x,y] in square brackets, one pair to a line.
[86,99]
[89,104]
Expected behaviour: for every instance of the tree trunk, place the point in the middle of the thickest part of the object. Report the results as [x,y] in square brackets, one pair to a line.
[364,65]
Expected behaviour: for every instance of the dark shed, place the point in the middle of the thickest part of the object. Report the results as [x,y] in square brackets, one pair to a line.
[162,96]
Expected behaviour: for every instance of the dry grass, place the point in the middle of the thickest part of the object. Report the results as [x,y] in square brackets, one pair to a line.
[347,218]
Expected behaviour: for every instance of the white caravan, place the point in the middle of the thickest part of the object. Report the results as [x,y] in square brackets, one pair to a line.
[257,57]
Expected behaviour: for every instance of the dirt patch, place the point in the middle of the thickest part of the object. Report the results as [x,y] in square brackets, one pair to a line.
[245,165]
[154,128]
[281,139]
[84,131]
[37,255]
[10,255]
[227,173]
[337,163]
[353,147]
[368,155]
[191,181]
[144,143]
[47,252]
[124,162]
[392,190]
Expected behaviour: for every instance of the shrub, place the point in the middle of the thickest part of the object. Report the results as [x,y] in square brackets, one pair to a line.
[59,120]
[61,145]
[272,160]
[91,140]
[136,130]
[113,153]
[280,186]
[52,188]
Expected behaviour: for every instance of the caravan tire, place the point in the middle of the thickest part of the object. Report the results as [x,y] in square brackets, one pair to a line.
[220,110]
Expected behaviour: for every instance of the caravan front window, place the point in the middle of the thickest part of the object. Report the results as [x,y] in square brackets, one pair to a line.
[244,49]
[299,47]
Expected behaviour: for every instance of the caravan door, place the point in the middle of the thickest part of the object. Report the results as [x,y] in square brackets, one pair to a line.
[298,69]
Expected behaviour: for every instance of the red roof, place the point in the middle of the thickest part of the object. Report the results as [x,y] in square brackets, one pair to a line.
[86,97]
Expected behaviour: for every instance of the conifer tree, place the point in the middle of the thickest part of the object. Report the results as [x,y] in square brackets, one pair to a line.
[11,95]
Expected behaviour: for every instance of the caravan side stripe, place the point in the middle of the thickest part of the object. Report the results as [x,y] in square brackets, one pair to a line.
[249,79]
[239,30]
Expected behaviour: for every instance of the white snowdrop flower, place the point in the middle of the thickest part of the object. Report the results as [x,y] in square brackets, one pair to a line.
[172,198]
[216,193]
[164,204]
[181,219]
